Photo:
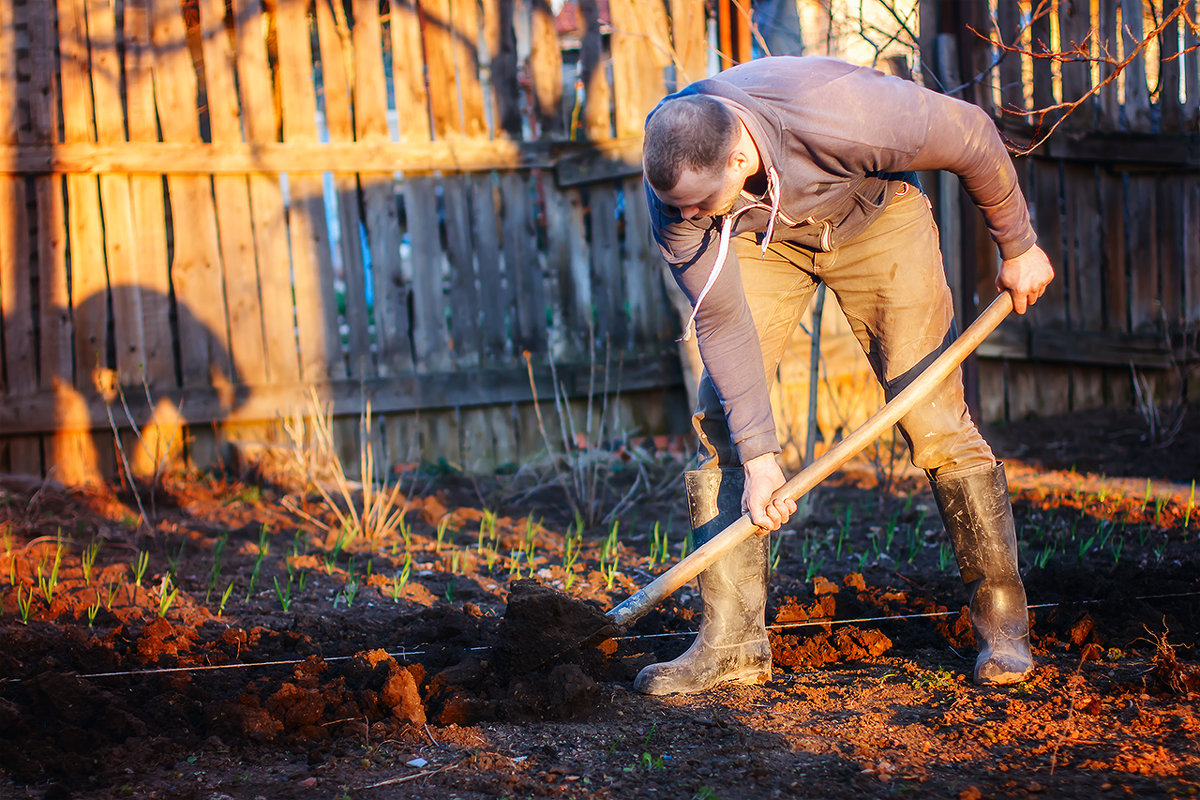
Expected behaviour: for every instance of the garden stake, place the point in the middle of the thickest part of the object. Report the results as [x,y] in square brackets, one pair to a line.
[636,606]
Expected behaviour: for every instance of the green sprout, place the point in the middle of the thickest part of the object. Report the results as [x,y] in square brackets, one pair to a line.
[530,536]
[349,592]
[1084,547]
[658,545]
[401,579]
[405,531]
[49,583]
[332,556]
[24,603]
[284,593]
[1187,512]
[776,552]
[944,556]
[140,566]
[442,525]
[688,545]
[87,560]
[812,568]
[608,569]
[262,553]
[1117,546]
[111,594]
[165,598]
[224,599]
[571,548]
[93,610]
[450,590]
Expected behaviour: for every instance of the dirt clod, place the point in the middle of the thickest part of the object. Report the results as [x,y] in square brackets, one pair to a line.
[541,624]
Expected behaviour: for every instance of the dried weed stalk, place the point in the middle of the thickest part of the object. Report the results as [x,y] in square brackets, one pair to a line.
[360,508]
[581,465]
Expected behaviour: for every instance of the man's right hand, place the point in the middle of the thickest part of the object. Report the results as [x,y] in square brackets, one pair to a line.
[1025,277]
[763,477]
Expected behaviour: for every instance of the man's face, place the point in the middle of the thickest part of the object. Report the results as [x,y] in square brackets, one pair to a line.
[703,194]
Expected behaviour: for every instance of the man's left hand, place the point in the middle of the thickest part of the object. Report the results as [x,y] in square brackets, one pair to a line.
[1025,277]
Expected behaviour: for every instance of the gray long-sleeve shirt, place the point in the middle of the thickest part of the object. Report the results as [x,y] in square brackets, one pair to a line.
[835,134]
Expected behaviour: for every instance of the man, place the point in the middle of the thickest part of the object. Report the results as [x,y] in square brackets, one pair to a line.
[763,181]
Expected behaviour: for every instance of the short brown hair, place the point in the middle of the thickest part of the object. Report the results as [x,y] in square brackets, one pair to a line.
[693,131]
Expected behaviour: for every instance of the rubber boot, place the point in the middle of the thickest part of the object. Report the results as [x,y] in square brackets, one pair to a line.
[978,516]
[732,644]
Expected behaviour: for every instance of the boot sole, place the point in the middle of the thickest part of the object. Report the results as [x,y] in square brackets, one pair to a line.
[1004,678]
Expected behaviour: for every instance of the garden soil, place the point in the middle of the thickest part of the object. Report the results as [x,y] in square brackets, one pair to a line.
[232,647]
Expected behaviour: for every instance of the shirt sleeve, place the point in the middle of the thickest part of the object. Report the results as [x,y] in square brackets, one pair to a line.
[725,331]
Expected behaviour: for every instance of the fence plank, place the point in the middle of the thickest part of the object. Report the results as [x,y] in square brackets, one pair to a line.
[465,19]
[431,338]
[499,293]
[1012,86]
[120,249]
[639,56]
[464,299]
[1144,304]
[196,268]
[1137,93]
[337,90]
[1032,389]
[69,457]
[312,265]
[1108,34]
[149,209]
[500,41]
[266,194]
[1172,227]
[436,29]
[597,118]
[1190,67]
[1075,24]
[1170,107]
[16,302]
[1083,215]
[607,290]
[689,40]
[521,262]
[545,69]
[380,208]
[641,265]
[88,279]
[1113,253]
[234,217]
[567,261]
[1051,307]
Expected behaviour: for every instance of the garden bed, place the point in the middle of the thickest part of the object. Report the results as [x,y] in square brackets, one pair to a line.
[235,648]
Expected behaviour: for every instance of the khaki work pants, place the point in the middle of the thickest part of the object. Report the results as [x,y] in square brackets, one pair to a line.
[892,287]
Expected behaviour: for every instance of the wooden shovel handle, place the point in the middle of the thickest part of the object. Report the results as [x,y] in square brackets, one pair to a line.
[649,596]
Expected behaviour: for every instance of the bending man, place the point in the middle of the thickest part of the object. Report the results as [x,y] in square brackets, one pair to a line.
[762,182]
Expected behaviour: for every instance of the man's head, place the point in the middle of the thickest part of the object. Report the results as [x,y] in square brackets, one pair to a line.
[696,155]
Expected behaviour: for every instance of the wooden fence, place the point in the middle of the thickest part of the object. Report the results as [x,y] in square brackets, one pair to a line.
[209,206]
[1114,192]
[219,204]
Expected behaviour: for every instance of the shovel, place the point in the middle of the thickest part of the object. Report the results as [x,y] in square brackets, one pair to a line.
[637,605]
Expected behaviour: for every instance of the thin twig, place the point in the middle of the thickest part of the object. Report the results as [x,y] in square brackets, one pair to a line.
[407,778]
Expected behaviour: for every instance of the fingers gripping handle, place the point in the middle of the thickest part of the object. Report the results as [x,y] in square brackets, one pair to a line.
[650,595]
